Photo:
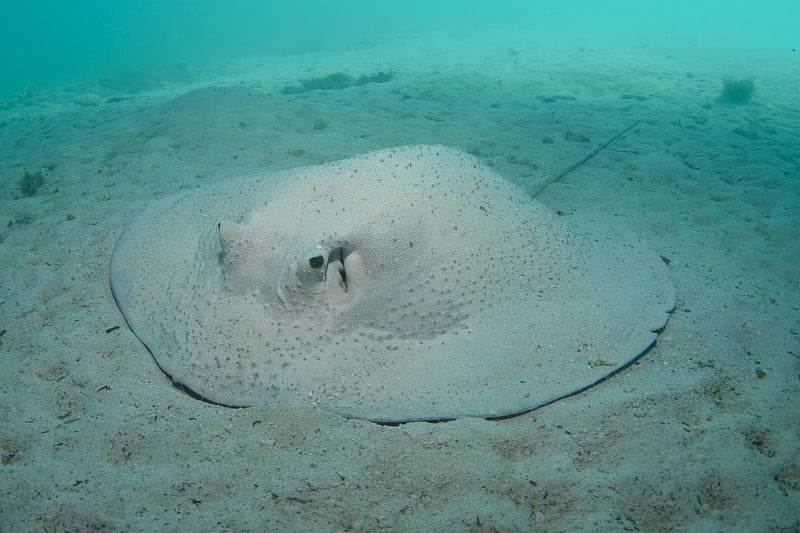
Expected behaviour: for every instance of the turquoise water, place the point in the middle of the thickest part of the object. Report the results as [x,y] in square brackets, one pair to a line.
[634,118]
[52,42]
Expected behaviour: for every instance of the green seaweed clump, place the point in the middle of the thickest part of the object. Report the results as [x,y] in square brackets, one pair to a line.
[30,183]
[737,91]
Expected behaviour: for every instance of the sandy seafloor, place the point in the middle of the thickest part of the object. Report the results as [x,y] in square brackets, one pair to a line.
[93,436]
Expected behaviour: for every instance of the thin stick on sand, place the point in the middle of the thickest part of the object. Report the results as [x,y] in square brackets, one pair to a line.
[566,170]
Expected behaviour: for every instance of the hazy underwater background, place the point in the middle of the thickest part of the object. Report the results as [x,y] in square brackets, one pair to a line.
[48,43]
[108,107]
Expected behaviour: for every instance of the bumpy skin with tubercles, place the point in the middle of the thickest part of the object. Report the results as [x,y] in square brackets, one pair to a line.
[407,284]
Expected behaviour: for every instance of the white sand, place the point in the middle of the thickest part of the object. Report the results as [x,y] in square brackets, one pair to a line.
[94,438]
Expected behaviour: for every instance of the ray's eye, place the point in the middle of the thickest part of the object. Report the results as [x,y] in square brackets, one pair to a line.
[316,261]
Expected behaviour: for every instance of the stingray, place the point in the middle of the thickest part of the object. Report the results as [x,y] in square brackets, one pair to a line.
[407,284]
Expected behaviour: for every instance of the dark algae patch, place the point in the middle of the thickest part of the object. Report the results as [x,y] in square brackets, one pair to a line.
[336,81]
[737,91]
[29,183]
[576,137]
